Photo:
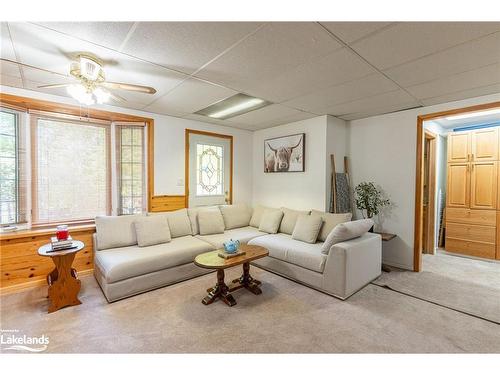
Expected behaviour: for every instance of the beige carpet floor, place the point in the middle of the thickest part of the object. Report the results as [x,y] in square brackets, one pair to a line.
[286,318]
[451,281]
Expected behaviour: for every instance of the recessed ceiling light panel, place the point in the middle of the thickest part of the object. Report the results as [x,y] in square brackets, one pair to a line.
[473,114]
[233,106]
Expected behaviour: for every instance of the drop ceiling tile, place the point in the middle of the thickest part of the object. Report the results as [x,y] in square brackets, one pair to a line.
[467,56]
[463,81]
[60,91]
[379,111]
[374,104]
[351,31]
[134,71]
[320,101]
[270,114]
[6,80]
[410,40]
[50,50]
[43,77]
[270,51]
[9,69]
[464,94]
[337,67]
[107,34]
[6,48]
[185,46]
[201,118]
[53,51]
[191,96]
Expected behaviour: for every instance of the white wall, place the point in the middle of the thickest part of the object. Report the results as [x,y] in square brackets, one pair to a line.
[383,150]
[300,190]
[336,144]
[169,147]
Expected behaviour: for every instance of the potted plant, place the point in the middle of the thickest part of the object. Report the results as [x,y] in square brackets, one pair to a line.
[369,199]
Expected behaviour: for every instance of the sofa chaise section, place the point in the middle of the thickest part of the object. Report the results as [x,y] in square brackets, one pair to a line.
[347,267]
[123,269]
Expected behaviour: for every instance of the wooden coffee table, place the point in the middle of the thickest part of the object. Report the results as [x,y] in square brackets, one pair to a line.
[212,260]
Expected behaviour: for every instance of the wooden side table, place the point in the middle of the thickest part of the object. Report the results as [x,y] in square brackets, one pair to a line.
[386,237]
[64,285]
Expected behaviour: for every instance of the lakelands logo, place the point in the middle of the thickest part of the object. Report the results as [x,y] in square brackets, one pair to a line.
[12,340]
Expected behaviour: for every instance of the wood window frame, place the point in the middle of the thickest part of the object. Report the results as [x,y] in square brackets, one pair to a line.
[419,178]
[187,133]
[84,114]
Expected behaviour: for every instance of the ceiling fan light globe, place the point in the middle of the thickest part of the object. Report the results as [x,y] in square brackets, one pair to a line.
[101,95]
[80,94]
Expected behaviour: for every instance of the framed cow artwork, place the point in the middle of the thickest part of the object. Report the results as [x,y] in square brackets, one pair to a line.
[285,154]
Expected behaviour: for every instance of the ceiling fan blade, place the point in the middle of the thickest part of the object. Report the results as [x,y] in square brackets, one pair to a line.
[117,98]
[128,87]
[55,85]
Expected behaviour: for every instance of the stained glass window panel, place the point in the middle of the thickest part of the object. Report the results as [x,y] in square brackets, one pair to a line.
[209,170]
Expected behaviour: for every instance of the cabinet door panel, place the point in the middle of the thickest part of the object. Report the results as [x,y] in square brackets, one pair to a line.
[458,185]
[458,147]
[483,183]
[484,144]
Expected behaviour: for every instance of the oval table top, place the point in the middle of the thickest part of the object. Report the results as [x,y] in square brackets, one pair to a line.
[212,260]
[46,250]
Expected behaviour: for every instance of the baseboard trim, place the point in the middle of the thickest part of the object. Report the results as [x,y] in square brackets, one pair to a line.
[397,265]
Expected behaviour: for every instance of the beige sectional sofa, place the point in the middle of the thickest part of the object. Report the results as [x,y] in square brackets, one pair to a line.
[123,268]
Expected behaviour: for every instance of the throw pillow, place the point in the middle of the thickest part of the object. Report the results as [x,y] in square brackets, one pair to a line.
[235,216]
[345,232]
[330,221]
[307,228]
[193,219]
[152,230]
[178,222]
[210,221]
[289,219]
[270,221]
[258,211]
[115,231]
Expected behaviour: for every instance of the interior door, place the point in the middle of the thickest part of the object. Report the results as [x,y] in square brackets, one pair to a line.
[458,147]
[484,185]
[484,144]
[209,170]
[458,185]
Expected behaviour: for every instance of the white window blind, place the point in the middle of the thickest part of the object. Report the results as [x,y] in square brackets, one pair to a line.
[71,169]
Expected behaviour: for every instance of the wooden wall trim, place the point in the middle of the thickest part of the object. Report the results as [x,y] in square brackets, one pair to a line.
[417,240]
[21,267]
[186,160]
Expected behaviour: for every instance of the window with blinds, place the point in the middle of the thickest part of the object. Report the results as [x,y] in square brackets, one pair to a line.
[130,161]
[70,170]
[12,167]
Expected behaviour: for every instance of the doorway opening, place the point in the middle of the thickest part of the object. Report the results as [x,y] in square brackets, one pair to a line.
[457,199]
[208,168]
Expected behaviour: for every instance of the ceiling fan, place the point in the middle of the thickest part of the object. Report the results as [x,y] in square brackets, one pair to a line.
[92,86]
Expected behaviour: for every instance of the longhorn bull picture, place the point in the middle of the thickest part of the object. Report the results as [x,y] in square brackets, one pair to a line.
[284,154]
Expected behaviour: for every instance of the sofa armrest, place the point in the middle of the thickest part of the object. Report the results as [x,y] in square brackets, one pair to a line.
[94,242]
[352,264]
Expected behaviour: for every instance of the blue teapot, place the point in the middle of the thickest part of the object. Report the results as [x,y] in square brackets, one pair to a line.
[231,246]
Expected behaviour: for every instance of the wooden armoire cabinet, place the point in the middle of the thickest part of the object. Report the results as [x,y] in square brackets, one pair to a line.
[472,193]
